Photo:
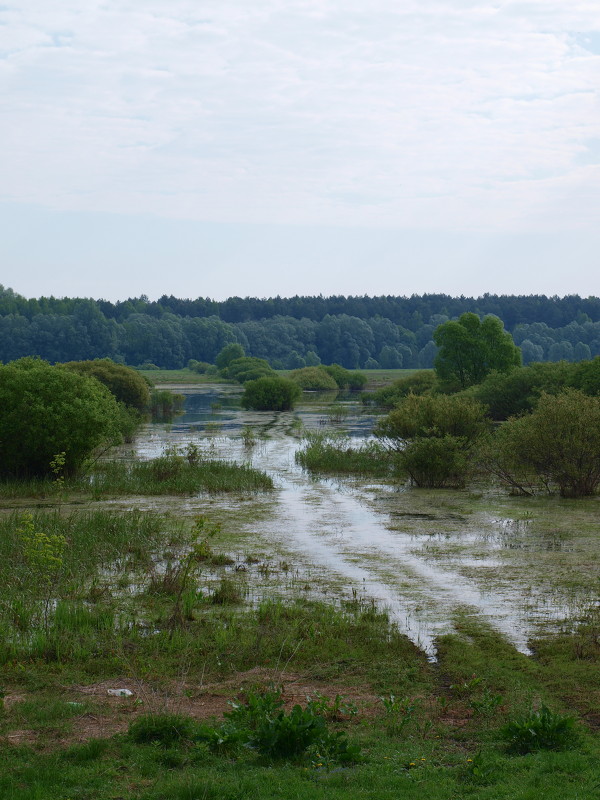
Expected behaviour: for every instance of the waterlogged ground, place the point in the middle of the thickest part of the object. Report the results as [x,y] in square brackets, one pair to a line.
[524,565]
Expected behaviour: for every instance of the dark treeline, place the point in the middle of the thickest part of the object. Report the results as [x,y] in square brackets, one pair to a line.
[357,332]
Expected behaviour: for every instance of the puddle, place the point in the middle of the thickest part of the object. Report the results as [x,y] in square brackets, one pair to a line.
[422,555]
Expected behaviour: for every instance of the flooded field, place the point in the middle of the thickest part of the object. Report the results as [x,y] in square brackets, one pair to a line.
[523,565]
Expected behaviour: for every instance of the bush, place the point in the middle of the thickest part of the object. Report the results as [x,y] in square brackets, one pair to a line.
[49,411]
[434,436]
[432,416]
[509,394]
[421,382]
[558,444]
[313,378]
[125,383]
[228,354]
[201,367]
[270,394]
[344,378]
[436,462]
[248,369]
[262,723]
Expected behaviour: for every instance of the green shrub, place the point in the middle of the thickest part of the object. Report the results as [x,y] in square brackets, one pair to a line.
[421,382]
[557,445]
[263,724]
[248,369]
[436,462]
[47,411]
[540,730]
[228,354]
[433,416]
[270,394]
[435,437]
[313,378]
[125,383]
[344,378]
[201,367]
[518,391]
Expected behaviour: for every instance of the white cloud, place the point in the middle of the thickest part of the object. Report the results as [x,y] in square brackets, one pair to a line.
[468,115]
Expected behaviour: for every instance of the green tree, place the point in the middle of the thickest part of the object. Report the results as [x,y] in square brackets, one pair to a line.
[228,354]
[270,394]
[49,410]
[471,348]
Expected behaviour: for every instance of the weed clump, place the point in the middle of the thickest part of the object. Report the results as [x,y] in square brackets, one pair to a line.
[262,724]
[540,730]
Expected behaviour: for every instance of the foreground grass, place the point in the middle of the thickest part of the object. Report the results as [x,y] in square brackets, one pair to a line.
[436,733]
[100,599]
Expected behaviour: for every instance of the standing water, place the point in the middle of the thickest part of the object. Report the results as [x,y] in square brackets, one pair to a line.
[423,555]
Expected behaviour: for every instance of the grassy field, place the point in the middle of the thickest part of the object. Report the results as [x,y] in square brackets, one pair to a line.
[176,376]
[376,377]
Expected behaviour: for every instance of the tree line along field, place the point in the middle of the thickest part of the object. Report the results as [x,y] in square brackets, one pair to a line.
[356,332]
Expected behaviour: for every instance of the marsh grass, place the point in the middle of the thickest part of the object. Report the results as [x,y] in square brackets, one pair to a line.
[180,473]
[173,474]
[329,454]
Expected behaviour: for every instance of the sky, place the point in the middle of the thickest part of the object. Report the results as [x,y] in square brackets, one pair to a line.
[281,147]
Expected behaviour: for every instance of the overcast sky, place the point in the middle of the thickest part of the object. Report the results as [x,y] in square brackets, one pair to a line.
[219,147]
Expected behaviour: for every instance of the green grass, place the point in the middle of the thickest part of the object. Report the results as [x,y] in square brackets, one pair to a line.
[169,474]
[327,454]
[445,750]
[180,376]
[376,377]
[173,475]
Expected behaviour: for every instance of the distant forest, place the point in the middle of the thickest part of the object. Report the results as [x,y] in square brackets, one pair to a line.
[356,332]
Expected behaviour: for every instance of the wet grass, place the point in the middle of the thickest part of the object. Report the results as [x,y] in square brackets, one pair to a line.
[335,455]
[170,474]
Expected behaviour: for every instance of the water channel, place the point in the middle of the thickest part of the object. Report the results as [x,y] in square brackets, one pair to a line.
[423,555]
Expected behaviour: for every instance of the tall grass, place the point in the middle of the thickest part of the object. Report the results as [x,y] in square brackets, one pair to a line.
[173,474]
[325,453]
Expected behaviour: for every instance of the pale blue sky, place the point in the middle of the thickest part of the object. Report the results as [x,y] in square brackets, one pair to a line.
[299,146]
